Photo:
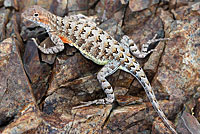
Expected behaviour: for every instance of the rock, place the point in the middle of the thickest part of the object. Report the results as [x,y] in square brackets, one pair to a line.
[13,27]
[50,58]
[60,82]
[67,69]
[124,1]
[26,123]
[188,124]
[4,13]
[80,6]
[159,127]
[106,9]
[15,90]
[37,72]
[11,3]
[1,3]
[59,7]
[126,119]
[138,5]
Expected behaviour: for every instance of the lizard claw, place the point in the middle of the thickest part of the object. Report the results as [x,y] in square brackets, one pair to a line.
[88,103]
[85,104]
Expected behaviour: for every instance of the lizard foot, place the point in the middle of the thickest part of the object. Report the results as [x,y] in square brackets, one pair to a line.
[88,103]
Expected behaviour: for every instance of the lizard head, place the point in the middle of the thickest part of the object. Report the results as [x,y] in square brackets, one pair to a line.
[37,15]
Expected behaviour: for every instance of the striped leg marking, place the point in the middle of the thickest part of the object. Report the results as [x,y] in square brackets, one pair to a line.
[144,50]
[51,50]
[107,70]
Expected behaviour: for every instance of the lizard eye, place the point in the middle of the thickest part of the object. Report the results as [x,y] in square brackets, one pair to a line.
[36,14]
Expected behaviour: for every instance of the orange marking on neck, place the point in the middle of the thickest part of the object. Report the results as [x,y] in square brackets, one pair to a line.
[43,20]
[65,39]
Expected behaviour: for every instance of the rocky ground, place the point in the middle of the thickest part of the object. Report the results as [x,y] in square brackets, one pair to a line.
[38,91]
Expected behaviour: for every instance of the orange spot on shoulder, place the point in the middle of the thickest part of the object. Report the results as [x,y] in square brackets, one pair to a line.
[65,40]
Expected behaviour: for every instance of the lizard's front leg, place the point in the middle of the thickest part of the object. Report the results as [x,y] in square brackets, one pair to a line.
[144,50]
[107,70]
[52,50]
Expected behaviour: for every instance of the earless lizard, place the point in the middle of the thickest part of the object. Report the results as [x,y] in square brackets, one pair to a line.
[98,46]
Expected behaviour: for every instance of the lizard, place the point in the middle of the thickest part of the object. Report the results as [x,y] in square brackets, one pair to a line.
[98,46]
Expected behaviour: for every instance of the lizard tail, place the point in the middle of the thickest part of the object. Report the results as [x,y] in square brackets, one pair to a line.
[141,77]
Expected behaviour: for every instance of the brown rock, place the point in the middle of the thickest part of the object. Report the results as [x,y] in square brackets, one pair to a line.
[89,119]
[141,30]
[159,127]
[138,5]
[37,72]
[12,28]
[26,123]
[196,7]
[82,6]
[188,124]
[23,4]
[67,69]
[59,7]
[4,13]
[1,3]
[50,58]
[127,119]
[197,110]
[107,8]
[173,71]
[11,3]
[112,27]
[15,90]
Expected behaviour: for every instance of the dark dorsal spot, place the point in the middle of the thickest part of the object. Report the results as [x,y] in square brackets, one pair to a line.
[96,51]
[121,55]
[108,38]
[73,38]
[82,31]
[69,26]
[122,49]
[78,23]
[109,87]
[101,32]
[114,50]
[90,34]
[131,44]
[116,43]
[62,23]
[75,28]
[81,42]
[99,39]
[94,28]
[87,47]
[126,60]
[86,25]
[131,65]
[106,45]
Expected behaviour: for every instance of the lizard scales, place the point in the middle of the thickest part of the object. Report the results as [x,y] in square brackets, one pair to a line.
[98,46]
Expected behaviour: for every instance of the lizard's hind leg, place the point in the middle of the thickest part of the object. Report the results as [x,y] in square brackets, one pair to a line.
[144,50]
[107,70]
